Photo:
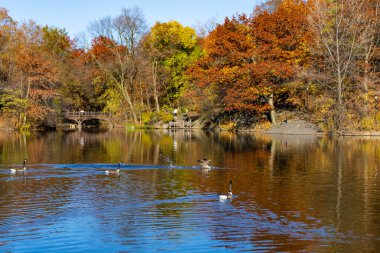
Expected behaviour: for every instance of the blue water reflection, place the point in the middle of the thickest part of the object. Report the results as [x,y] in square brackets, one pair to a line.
[173,206]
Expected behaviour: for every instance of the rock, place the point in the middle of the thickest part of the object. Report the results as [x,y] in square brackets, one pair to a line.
[294,127]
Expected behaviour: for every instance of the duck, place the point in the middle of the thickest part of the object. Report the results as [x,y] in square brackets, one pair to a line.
[114,172]
[223,197]
[23,169]
[205,164]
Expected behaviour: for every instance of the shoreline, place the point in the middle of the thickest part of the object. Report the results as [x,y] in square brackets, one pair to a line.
[293,127]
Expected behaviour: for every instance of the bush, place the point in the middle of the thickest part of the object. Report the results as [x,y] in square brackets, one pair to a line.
[367,123]
[228,126]
[147,117]
[151,118]
[165,116]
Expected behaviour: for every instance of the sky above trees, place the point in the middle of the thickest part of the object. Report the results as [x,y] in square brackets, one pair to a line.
[75,16]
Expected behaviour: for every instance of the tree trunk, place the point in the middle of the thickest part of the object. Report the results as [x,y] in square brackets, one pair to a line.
[366,82]
[272,110]
[24,119]
[155,95]
[141,98]
[127,98]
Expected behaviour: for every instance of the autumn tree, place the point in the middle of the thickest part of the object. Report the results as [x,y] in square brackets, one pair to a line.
[171,48]
[118,38]
[281,47]
[38,74]
[56,41]
[370,39]
[30,64]
[249,61]
[8,29]
[346,33]
[223,72]
[83,85]
[12,100]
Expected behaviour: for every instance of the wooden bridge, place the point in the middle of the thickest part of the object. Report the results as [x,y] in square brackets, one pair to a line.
[81,116]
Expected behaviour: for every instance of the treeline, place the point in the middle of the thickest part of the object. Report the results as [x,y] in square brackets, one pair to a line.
[319,56]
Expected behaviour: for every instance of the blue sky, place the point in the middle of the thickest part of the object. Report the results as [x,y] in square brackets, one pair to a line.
[76,15]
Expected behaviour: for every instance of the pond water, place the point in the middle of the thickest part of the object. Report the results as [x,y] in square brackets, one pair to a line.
[291,193]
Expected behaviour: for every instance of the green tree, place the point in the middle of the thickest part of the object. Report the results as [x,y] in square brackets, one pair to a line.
[56,41]
[171,48]
[13,105]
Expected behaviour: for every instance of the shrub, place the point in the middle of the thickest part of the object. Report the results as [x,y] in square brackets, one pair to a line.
[150,118]
[165,116]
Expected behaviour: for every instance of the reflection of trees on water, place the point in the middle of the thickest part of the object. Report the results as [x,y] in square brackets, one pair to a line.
[308,174]
[13,148]
[318,181]
[315,176]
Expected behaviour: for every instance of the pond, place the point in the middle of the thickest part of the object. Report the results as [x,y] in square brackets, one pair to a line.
[291,193]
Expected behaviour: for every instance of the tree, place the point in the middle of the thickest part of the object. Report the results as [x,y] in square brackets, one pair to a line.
[344,32]
[83,85]
[370,39]
[38,74]
[224,70]
[171,48]
[114,49]
[249,61]
[13,104]
[56,41]
[29,71]
[281,46]
[7,30]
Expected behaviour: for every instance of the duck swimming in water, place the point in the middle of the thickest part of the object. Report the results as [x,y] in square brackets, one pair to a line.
[23,169]
[205,164]
[113,172]
[223,197]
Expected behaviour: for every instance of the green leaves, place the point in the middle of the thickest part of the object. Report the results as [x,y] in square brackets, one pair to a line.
[175,48]
[12,102]
[56,40]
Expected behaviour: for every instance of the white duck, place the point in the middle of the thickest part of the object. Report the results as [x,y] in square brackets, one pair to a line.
[223,197]
[23,169]
[113,172]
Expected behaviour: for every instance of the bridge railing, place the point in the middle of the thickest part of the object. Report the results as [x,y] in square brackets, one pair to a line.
[85,114]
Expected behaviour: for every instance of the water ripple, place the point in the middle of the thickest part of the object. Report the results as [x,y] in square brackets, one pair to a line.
[77,208]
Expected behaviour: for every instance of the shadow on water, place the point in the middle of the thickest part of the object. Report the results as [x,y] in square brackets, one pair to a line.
[292,193]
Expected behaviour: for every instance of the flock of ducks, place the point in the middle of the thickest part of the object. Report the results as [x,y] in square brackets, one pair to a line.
[203,163]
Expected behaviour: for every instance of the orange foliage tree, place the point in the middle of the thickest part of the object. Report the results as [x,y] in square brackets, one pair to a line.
[82,83]
[281,46]
[248,62]
[38,74]
[224,73]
